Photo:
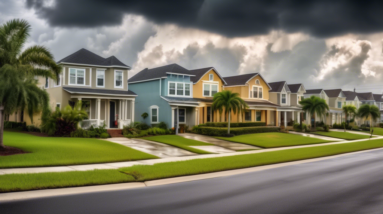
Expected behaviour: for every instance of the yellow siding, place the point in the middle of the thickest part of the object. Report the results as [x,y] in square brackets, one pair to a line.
[198,87]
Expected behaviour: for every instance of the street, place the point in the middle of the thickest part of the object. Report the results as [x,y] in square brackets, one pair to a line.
[347,184]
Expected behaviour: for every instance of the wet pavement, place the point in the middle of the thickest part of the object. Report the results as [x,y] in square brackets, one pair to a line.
[158,149]
[317,136]
[218,142]
[213,149]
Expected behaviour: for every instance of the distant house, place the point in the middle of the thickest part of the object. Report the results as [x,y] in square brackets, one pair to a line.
[318,93]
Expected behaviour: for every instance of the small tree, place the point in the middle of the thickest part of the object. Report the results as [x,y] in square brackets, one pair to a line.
[227,101]
[369,111]
[348,110]
[315,106]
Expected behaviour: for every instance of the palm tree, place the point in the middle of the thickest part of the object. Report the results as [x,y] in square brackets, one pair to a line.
[18,88]
[228,102]
[348,110]
[315,106]
[369,111]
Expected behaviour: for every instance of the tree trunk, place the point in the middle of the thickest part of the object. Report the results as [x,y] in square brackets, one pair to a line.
[300,121]
[370,127]
[1,128]
[315,122]
[228,124]
[344,126]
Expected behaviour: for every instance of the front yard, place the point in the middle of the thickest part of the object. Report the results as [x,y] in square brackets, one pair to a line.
[180,142]
[273,139]
[343,135]
[58,151]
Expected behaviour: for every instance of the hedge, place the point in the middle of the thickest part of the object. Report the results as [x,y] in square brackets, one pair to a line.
[216,131]
[15,125]
[223,124]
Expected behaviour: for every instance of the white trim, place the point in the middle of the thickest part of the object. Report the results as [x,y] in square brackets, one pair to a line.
[76,69]
[210,89]
[179,122]
[252,94]
[103,71]
[184,89]
[105,66]
[215,70]
[285,99]
[178,74]
[63,81]
[146,80]
[117,95]
[90,77]
[122,79]
[158,114]
[257,82]
[90,106]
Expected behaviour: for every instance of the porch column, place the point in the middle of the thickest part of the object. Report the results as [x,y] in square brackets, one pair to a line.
[126,109]
[285,119]
[178,120]
[196,116]
[299,117]
[173,109]
[292,115]
[98,104]
[279,118]
[132,111]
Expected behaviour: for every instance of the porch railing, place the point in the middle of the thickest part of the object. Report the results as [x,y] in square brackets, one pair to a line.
[123,123]
[86,124]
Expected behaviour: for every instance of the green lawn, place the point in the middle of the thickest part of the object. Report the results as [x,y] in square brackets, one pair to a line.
[56,151]
[377,131]
[180,142]
[343,135]
[17,182]
[273,139]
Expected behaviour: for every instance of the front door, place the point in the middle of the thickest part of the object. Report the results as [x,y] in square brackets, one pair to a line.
[112,115]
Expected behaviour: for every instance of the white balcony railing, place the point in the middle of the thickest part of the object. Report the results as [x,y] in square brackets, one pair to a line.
[86,124]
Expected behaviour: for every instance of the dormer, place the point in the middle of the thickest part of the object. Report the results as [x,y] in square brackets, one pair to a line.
[280,93]
[297,93]
[206,82]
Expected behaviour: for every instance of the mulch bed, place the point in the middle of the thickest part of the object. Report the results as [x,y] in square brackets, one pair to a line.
[11,151]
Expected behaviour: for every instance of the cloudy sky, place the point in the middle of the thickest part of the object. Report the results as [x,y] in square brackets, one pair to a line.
[320,43]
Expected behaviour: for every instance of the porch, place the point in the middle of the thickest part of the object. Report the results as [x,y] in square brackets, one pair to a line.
[287,118]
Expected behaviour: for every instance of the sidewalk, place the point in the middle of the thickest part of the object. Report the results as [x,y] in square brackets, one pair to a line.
[353,132]
[117,165]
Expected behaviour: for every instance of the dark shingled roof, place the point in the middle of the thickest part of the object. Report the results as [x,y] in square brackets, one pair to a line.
[83,56]
[99,91]
[350,95]
[313,91]
[294,87]
[277,86]
[333,92]
[365,96]
[181,99]
[239,79]
[378,97]
[159,72]
[199,73]
[261,103]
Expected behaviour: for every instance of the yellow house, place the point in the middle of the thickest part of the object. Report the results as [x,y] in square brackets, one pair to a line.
[255,91]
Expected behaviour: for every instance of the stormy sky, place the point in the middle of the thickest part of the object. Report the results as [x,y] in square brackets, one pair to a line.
[320,43]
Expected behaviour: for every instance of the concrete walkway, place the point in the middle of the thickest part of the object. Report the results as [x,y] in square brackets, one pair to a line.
[353,132]
[317,136]
[117,165]
[218,142]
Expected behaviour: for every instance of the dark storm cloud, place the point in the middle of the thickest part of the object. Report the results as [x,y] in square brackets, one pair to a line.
[321,18]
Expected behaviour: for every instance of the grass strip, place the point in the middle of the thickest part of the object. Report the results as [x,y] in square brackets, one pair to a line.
[343,135]
[180,142]
[274,139]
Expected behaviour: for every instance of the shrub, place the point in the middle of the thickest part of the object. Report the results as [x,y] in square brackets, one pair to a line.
[291,123]
[216,131]
[326,128]
[104,135]
[320,129]
[98,130]
[381,125]
[150,131]
[32,128]
[319,123]
[15,125]
[90,133]
[142,126]
[162,125]
[224,124]
[80,133]
[298,128]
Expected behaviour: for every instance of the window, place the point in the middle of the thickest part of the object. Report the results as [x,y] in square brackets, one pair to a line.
[187,89]
[298,99]
[257,92]
[208,115]
[260,93]
[76,76]
[100,78]
[211,77]
[257,82]
[58,82]
[209,90]
[339,104]
[247,115]
[58,105]
[180,89]
[283,98]
[172,88]
[258,116]
[118,76]
[182,115]
[46,82]
[154,114]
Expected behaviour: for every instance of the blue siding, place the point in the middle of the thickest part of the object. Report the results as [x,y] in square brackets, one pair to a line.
[173,78]
[148,94]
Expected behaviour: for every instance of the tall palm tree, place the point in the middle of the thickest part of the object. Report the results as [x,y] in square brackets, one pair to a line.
[314,106]
[369,111]
[227,101]
[18,88]
[348,110]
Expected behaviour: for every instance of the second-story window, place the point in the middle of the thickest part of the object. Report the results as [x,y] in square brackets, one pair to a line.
[339,104]
[187,89]
[257,92]
[211,77]
[209,90]
[118,76]
[179,89]
[283,99]
[100,75]
[76,76]
[172,88]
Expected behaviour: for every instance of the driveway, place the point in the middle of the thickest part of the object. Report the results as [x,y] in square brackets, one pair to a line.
[218,142]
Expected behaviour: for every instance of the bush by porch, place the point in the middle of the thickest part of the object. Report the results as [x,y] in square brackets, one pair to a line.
[244,124]
[220,131]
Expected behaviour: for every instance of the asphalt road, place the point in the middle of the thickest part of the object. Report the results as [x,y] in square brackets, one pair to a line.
[348,184]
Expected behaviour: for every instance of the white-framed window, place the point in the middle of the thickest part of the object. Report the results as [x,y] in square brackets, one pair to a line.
[298,98]
[258,116]
[58,105]
[339,104]
[211,77]
[257,92]
[247,115]
[284,98]
[57,83]
[154,112]
[180,89]
[100,78]
[257,82]
[46,82]
[76,76]
[182,115]
[118,79]
[209,90]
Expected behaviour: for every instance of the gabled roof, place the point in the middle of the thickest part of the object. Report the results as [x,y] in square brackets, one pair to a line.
[155,73]
[378,97]
[365,96]
[85,57]
[199,73]
[242,79]
[277,86]
[333,92]
[314,91]
[350,95]
[294,88]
